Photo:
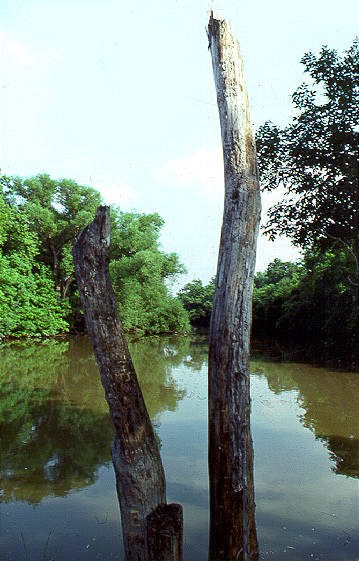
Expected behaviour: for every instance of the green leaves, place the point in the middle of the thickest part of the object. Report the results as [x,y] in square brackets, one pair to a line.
[309,304]
[197,300]
[139,272]
[36,237]
[28,302]
[315,157]
[56,210]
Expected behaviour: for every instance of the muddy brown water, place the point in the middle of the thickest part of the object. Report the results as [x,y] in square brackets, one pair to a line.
[58,499]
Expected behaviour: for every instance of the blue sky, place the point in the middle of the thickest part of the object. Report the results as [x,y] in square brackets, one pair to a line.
[120,96]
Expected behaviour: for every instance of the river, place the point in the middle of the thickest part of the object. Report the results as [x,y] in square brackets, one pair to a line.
[58,499]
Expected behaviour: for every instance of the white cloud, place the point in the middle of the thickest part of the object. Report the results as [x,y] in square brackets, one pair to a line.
[117,193]
[204,168]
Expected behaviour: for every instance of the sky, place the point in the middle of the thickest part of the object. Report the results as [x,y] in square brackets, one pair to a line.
[120,96]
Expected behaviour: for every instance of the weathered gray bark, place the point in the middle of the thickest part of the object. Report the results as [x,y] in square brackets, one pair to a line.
[140,476]
[232,525]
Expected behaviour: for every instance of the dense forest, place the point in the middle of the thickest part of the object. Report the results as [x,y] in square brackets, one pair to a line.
[312,303]
[306,306]
[39,220]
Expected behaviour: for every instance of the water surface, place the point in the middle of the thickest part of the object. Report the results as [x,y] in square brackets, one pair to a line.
[58,497]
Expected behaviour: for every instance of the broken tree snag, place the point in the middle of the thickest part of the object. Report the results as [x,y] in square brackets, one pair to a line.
[232,525]
[164,533]
[139,473]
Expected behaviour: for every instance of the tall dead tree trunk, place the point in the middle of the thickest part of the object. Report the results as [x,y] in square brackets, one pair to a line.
[140,478]
[232,525]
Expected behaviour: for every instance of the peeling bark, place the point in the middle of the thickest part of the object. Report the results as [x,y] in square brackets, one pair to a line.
[232,524]
[140,478]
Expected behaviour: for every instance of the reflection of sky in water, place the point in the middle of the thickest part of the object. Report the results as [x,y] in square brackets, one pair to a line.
[301,503]
[304,509]
[184,452]
[83,526]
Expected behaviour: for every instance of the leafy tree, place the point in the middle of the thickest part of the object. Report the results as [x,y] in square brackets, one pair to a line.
[140,274]
[315,157]
[28,302]
[309,305]
[271,291]
[319,311]
[197,300]
[276,271]
[57,210]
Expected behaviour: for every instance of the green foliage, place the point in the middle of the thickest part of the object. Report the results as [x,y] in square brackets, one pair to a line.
[197,300]
[276,271]
[140,272]
[315,157]
[53,212]
[311,305]
[56,210]
[271,291]
[28,301]
[320,310]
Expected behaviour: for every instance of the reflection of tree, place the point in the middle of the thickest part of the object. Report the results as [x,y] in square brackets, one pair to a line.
[52,438]
[345,453]
[193,351]
[55,429]
[154,359]
[330,402]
